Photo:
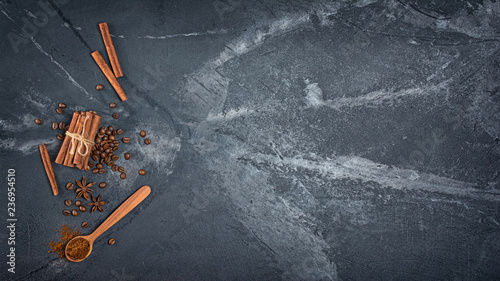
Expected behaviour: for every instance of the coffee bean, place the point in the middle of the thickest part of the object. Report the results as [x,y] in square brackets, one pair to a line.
[112,105]
[70,185]
[62,105]
[66,127]
[59,110]
[87,168]
[99,87]
[105,138]
[91,164]
[110,163]
[85,224]
[116,115]
[78,203]
[142,172]
[119,131]
[102,171]
[103,155]
[101,161]
[38,121]
[126,140]
[95,157]
[121,169]
[60,136]
[74,213]
[147,141]
[127,156]
[115,148]
[101,149]
[66,212]
[95,171]
[102,130]
[123,176]
[103,184]
[114,168]
[111,137]
[115,157]
[113,133]
[82,209]
[143,133]
[111,128]
[54,125]
[67,202]
[99,166]
[111,241]
[62,125]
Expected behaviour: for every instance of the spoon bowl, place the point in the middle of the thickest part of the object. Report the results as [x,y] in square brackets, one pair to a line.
[86,238]
[117,215]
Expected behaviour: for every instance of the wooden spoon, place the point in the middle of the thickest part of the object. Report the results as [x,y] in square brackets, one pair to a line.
[118,214]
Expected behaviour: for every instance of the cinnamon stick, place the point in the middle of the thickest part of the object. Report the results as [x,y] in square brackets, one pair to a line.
[109,75]
[68,161]
[110,48]
[64,148]
[81,145]
[48,168]
[96,122]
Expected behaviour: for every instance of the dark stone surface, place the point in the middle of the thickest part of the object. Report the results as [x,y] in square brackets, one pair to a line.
[297,140]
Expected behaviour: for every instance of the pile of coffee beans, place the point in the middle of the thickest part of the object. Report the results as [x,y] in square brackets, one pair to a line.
[104,152]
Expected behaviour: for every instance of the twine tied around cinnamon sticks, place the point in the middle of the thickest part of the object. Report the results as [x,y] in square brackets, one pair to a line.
[83,141]
[80,135]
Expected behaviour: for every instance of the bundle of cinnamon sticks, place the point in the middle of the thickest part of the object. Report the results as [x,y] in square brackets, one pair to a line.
[77,146]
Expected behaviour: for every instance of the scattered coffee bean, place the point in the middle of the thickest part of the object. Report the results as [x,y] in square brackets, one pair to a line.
[126,140]
[54,125]
[103,184]
[74,213]
[60,136]
[114,168]
[85,224]
[119,131]
[67,202]
[62,125]
[66,212]
[38,121]
[111,128]
[95,171]
[99,87]
[62,105]
[111,241]
[99,166]
[115,157]
[147,141]
[143,133]
[112,105]
[82,209]
[95,157]
[91,164]
[127,156]
[121,169]
[66,127]
[142,172]
[70,185]
[59,110]
[78,203]
[123,176]
[116,115]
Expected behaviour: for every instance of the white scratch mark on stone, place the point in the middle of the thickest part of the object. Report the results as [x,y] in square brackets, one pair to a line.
[209,32]
[7,15]
[70,78]
[26,147]
[373,99]
[353,167]
[119,36]
[68,26]
[231,114]
[30,14]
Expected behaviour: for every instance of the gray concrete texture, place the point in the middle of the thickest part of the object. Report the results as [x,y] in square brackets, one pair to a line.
[291,140]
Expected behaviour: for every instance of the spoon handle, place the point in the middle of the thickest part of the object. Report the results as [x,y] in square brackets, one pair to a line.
[124,209]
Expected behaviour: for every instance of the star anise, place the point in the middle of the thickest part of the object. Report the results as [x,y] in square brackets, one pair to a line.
[84,188]
[97,204]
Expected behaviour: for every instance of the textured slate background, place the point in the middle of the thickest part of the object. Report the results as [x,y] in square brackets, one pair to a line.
[298,140]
